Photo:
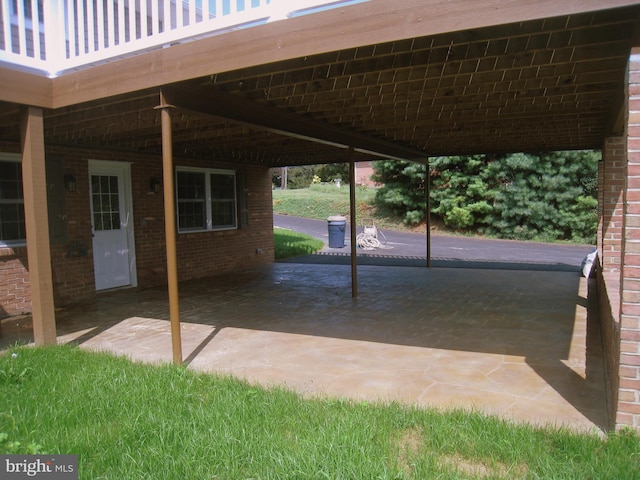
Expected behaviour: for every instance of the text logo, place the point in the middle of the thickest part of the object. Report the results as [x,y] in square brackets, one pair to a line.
[49,467]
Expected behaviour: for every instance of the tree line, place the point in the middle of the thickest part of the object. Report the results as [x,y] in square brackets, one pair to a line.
[545,197]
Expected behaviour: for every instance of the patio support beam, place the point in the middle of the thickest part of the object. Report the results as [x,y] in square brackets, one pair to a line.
[427,193]
[352,221]
[34,185]
[170,228]
[209,101]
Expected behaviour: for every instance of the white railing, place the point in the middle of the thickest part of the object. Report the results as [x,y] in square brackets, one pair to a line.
[54,36]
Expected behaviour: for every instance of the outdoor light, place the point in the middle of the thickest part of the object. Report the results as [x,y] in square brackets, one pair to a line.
[155,184]
[70,183]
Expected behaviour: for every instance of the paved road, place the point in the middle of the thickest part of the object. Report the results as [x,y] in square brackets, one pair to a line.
[404,248]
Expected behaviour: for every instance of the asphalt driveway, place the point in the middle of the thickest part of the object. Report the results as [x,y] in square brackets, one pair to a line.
[409,249]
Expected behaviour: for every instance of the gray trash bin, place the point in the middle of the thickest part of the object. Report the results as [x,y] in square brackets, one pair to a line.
[336,226]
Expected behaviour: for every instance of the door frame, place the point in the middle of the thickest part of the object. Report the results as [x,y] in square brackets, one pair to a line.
[125,169]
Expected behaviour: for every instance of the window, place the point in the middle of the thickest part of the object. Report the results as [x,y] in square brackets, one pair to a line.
[206,199]
[12,225]
[105,202]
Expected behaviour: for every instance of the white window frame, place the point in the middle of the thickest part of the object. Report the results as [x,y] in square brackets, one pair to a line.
[14,158]
[207,172]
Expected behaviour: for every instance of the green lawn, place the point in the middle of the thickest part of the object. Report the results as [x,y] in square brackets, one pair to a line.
[289,244]
[131,421]
[322,201]
[319,201]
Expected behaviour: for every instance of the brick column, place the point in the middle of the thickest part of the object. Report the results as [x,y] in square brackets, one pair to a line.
[611,173]
[628,402]
[611,184]
[599,234]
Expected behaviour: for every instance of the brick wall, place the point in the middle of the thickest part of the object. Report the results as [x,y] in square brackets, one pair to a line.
[15,290]
[199,254]
[611,178]
[611,184]
[15,287]
[71,260]
[628,406]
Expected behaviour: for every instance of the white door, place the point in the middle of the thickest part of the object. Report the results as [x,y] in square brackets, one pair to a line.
[112,225]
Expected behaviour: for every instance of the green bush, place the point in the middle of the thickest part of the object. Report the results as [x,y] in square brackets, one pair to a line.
[546,197]
[459,217]
[402,193]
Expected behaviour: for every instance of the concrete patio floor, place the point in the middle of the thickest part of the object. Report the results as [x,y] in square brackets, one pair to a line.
[513,343]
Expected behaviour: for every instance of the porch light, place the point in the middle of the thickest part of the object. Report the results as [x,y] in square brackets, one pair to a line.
[155,184]
[70,183]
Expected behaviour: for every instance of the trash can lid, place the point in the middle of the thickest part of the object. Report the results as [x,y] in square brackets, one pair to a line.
[337,218]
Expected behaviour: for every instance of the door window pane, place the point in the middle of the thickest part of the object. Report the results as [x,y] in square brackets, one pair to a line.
[223,192]
[191,192]
[106,202]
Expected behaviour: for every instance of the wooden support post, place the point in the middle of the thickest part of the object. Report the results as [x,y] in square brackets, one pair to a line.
[352,221]
[170,229]
[34,185]
[427,190]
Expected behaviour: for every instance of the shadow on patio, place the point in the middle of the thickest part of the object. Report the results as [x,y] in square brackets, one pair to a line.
[514,343]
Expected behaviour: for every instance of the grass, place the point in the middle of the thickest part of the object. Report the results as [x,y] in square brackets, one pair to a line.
[131,421]
[321,201]
[289,244]
[318,201]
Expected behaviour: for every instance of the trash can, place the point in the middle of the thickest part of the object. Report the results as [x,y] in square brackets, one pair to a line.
[336,226]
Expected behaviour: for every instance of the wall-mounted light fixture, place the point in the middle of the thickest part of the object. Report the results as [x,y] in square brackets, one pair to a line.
[69,183]
[155,185]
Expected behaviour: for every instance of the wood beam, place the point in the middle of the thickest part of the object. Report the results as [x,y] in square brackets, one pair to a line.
[618,115]
[263,117]
[25,88]
[170,229]
[619,109]
[37,225]
[352,223]
[427,191]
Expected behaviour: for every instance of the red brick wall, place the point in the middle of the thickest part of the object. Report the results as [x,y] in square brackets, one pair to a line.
[73,273]
[199,254]
[610,203]
[611,176]
[15,287]
[628,406]
[15,290]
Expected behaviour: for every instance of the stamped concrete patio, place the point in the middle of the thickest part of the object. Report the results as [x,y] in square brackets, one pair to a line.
[514,343]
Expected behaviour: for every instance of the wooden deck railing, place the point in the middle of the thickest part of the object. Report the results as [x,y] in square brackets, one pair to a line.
[54,36]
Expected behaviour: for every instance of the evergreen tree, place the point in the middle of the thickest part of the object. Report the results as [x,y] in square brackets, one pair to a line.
[403,190]
[551,196]
[459,193]
[547,197]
